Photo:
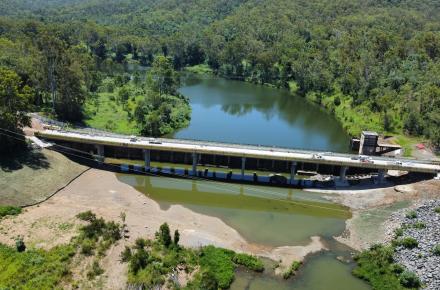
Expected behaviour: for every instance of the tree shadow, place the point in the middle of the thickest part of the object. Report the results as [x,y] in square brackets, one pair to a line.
[32,158]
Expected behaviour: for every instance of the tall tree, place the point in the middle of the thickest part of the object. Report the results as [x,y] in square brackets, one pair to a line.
[15,102]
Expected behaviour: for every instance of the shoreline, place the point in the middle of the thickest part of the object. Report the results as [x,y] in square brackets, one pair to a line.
[55,218]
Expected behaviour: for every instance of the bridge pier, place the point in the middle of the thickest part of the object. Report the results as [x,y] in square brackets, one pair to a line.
[195,160]
[147,158]
[292,172]
[381,176]
[100,153]
[343,176]
[243,166]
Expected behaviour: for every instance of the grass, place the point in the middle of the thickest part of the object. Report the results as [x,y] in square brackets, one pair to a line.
[377,267]
[103,112]
[199,69]
[411,215]
[6,210]
[219,262]
[248,261]
[34,269]
[31,176]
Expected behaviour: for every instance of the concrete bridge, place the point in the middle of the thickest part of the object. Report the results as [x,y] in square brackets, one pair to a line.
[227,155]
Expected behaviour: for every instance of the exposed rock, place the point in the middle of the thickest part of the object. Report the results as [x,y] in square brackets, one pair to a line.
[420,260]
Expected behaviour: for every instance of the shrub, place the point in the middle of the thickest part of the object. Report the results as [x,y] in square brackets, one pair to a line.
[87,216]
[437,209]
[398,232]
[87,247]
[409,279]
[19,245]
[9,210]
[126,254]
[436,250]
[292,269]
[250,262]
[111,231]
[138,261]
[396,268]
[409,243]
[411,215]
[140,243]
[419,225]
[95,271]
[208,281]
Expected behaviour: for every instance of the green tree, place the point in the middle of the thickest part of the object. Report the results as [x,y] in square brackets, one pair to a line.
[15,102]
[163,235]
[162,77]
[176,237]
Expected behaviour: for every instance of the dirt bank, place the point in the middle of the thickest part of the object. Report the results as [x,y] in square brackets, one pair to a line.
[53,222]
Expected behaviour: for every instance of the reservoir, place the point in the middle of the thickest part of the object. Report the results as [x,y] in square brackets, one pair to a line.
[239,112]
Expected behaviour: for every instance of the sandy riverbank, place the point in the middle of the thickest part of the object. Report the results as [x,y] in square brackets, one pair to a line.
[53,222]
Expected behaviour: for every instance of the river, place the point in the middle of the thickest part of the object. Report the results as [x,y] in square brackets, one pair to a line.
[238,112]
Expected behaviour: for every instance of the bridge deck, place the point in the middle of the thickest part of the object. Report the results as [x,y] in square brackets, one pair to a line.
[248,151]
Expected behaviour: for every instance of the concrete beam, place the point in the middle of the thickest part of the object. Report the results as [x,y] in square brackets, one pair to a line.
[243,166]
[195,160]
[292,172]
[147,158]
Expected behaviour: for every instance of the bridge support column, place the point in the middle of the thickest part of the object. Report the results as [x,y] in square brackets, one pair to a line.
[292,172]
[381,176]
[147,158]
[100,150]
[243,166]
[342,176]
[194,163]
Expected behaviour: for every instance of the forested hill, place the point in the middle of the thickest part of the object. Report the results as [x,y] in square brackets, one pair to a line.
[374,63]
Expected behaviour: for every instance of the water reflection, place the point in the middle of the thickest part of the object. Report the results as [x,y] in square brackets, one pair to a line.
[234,111]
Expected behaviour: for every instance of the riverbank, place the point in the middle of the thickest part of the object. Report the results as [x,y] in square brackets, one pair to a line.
[372,209]
[102,193]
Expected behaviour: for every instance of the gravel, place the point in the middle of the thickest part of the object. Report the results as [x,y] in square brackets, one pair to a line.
[420,260]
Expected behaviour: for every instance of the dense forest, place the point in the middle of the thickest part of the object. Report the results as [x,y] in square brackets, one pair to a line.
[375,64]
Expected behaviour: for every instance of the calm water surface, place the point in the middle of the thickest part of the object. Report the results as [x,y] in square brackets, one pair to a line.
[239,112]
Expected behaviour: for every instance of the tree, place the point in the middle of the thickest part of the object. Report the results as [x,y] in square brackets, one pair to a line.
[162,77]
[15,102]
[164,235]
[176,237]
